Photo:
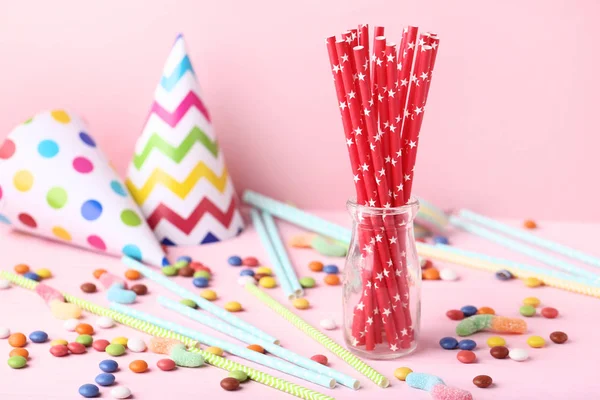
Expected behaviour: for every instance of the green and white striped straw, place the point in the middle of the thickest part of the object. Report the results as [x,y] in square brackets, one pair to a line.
[220,362]
[320,337]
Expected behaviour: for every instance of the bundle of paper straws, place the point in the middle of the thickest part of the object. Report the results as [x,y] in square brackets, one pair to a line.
[382,99]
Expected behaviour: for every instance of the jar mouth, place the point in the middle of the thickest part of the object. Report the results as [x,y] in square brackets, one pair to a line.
[410,207]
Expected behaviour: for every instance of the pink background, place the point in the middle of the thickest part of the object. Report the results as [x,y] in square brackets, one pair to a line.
[511,128]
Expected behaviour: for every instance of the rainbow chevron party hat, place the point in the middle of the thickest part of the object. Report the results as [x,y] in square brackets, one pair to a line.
[55,182]
[178,174]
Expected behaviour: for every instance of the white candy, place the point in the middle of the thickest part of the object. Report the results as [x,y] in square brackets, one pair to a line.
[518,354]
[4,332]
[136,345]
[71,324]
[448,274]
[4,284]
[105,322]
[328,324]
[120,392]
[244,280]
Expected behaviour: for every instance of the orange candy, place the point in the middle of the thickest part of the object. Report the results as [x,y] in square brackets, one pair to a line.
[138,366]
[332,279]
[84,329]
[530,224]
[17,340]
[256,348]
[98,273]
[19,352]
[316,266]
[21,268]
[431,274]
[132,275]
[486,310]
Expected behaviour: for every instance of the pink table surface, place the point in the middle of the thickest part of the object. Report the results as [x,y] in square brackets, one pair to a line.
[554,372]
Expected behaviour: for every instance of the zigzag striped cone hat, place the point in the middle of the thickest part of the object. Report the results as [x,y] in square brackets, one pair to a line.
[55,182]
[178,174]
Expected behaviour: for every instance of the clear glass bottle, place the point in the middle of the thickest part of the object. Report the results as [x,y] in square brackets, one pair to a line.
[382,282]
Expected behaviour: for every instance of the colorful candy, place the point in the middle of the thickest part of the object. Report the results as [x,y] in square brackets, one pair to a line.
[240,375]
[100,345]
[448,274]
[138,366]
[186,272]
[38,336]
[448,343]
[532,282]
[105,322]
[55,300]
[108,365]
[320,358]
[207,275]
[105,379]
[115,349]
[233,306]
[536,342]
[482,381]
[469,310]
[504,275]
[44,273]
[499,352]
[76,348]
[84,329]
[4,284]
[301,304]
[120,392]
[494,341]
[59,341]
[88,287]
[267,282]
[431,274]
[166,364]
[455,315]
[230,384]
[88,390]
[136,345]
[549,312]
[59,350]
[246,272]
[33,276]
[402,372]
[332,280]
[133,275]
[477,323]
[98,273]
[328,324]
[559,337]
[331,269]
[466,356]
[186,259]
[200,282]
[21,269]
[518,354]
[315,266]
[120,340]
[71,324]
[438,239]
[527,311]
[244,280]
[257,348]
[169,271]
[250,262]
[436,387]
[264,271]
[177,351]
[19,351]
[328,247]
[118,294]
[467,344]
[217,351]
[529,224]
[85,340]
[531,301]
[17,340]
[189,303]
[108,280]
[486,310]
[234,261]
[307,282]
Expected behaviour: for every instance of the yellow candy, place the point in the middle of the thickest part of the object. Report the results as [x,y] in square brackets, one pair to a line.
[532,282]
[44,273]
[264,271]
[233,306]
[532,301]
[120,340]
[217,351]
[496,341]
[536,341]
[208,294]
[301,304]
[267,282]
[64,311]
[402,372]
[57,342]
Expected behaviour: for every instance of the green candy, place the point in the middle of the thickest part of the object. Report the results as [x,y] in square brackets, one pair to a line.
[180,264]
[527,311]
[328,247]
[189,303]
[471,325]
[85,340]
[240,375]
[307,282]
[169,271]
[17,362]
[115,349]
[202,274]
[184,358]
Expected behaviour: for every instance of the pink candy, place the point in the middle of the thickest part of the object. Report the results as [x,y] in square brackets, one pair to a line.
[48,294]
[443,392]
[107,279]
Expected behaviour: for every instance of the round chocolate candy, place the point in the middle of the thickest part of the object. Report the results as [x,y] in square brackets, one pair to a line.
[187,272]
[88,288]
[559,337]
[230,384]
[499,352]
[482,381]
[140,289]
[455,315]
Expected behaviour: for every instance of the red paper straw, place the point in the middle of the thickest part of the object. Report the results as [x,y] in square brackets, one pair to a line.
[363,36]
[406,55]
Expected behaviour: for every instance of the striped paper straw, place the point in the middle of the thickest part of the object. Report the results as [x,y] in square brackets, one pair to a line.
[530,238]
[238,334]
[229,347]
[522,248]
[290,273]
[317,335]
[272,254]
[297,217]
[488,263]
[153,330]
[167,283]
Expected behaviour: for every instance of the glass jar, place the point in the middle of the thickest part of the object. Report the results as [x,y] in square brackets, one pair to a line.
[382,282]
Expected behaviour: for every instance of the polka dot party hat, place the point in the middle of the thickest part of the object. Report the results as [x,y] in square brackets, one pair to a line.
[55,182]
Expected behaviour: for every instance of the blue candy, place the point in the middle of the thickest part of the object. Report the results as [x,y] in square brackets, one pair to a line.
[108,365]
[200,282]
[235,261]
[105,379]
[467,344]
[331,269]
[33,276]
[440,240]
[246,272]
[187,259]
[448,343]
[88,390]
[423,381]
[504,275]
[119,295]
[38,337]
[469,310]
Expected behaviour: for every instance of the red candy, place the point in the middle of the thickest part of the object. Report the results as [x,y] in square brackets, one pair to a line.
[549,312]
[455,315]
[166,364]
[320,358]
[60,350]
[198,266]
[466,356]
[250,262]
[100,344]
[76,348]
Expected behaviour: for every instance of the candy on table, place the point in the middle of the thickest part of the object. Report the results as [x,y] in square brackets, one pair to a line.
[250,262]
[120,392]
[88,287]
[208,294]
[207,275]
[467,344]
[200,282]
[307,282]
[532,282]
[267,282]
[328,324]
[21,269]
[301,304]
[108,280]
[98,273]
[105,322]
[217,351]
[88,390]
[33,276]
[100,344]
[246,272]
[436,387]
[402,372]
[331,269]
[4,332]
[138,366]
[186,259]
[448,343]
[486,310]
[320,358]
[499,352]
[186,272]
[455,315]
[559,337]
[482,381]
[549,312]
[425,263]
[529,224]
[328,247]
[235,261]
[84,329]
[140,289]
[115,349]
[177,351]
[469,310]
[136,345]
[17,362]
[431,274]
[166,364]
[197,266]
[316,266]
[536,342]
[85,340]
[494,323]
[258,277]
[233,306]
[527,311]
[4,284]
[123,341]
[38,336]
[264,271]
[230,384]
[504,275]
[518,354]
[71,324]
[55,300]
[59,341]
[448,274]
[240,375]
[466,356]
[256,347]
[119,294]
[301,241]
[132,275]
[531,301]
[59,350]
[44,273]
[438,239]
[17,340]
[244,280]
[332,279]
[169,270]
[105,379]
[76,348]
[108,365]
[19,351]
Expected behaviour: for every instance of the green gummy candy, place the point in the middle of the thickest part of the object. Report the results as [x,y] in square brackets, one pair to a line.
[471,325]
[240,375]
[184,358]
[189,303]
[328,247]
